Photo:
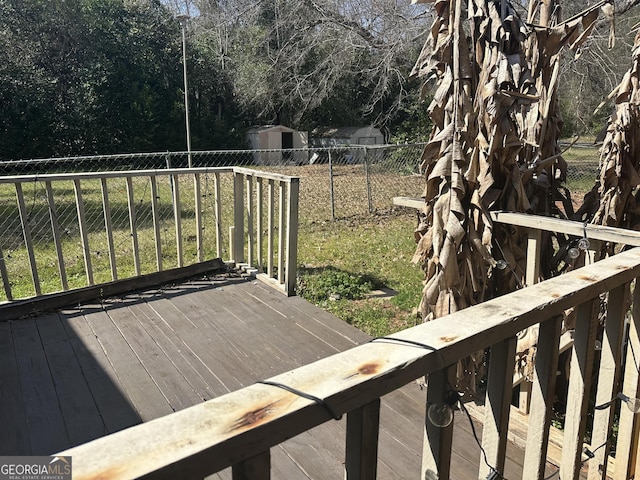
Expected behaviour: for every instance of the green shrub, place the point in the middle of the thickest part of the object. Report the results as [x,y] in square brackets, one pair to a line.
[334,284]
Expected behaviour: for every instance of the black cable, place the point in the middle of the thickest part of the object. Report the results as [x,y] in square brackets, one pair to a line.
[405,341]
[302,394]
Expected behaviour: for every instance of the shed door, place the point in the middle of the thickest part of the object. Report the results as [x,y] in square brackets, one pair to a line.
[287,139]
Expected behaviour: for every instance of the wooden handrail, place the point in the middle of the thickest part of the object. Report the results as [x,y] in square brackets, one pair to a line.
[243,425]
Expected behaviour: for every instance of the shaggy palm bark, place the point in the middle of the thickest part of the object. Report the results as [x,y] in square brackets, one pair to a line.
[617,185]
[493,146]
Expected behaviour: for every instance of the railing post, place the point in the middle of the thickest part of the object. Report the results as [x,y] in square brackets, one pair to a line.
[629,423]
[361,457]
[608,376]
[238,217]
[292,235]
[579,387]
[331,192]
[497,406]
[368,179]
[436,447]
[254,468]
[532,275]
[542,393]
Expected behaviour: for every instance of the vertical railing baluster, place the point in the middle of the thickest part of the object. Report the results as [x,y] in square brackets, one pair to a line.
[257,467]
[106,209]
[534,245]
[436,446]
[293,190]
[281,226]
[197,201]
[579,386]
[497,406]
[249,206]
[156,222]
[57,241]
[26,232]
[218,213]
[532,275]
[361,457]
[238,217]
[629,423]
[259,226]
[84,238]
[132,226]
[177,216]
[608,377]
[542,394]
[270,227]
[5,276]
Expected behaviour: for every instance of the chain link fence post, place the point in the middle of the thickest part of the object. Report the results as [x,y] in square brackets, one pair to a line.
[331,191]
[368,179]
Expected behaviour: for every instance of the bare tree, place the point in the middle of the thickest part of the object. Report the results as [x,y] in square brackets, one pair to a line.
[285,58]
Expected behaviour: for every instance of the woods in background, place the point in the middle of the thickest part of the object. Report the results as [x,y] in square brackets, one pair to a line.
[104,76]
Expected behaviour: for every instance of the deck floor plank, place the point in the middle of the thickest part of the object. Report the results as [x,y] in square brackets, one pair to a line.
[146,397]
[13,417]
[169,380]
[182,358]
[81,414]
[45,422]
[217,353]
[110,396]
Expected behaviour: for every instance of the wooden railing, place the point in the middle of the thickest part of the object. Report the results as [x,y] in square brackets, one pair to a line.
[238,429]
[156,227]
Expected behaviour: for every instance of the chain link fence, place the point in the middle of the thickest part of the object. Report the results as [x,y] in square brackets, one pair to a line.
[334,182]
[583,167]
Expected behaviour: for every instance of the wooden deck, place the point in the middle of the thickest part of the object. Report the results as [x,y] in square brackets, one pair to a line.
[85,372]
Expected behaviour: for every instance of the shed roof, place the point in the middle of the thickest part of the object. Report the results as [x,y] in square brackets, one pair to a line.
[341,132]
[265,128]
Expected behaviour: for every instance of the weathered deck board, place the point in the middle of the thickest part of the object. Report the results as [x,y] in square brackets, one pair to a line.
[109,394]
[12,407]
[108,366]
[145,396]
[78,406]
[45,422]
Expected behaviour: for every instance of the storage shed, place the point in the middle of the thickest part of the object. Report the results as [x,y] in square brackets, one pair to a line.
[341,136]
[277,137]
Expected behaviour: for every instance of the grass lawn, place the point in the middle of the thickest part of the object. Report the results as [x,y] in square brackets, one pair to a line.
[342,260]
